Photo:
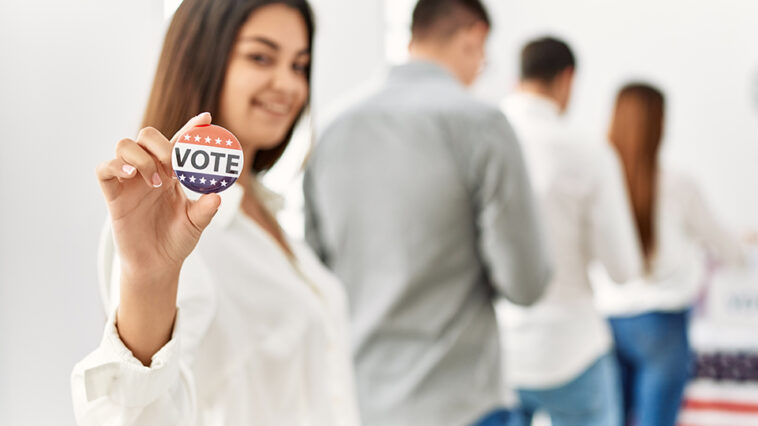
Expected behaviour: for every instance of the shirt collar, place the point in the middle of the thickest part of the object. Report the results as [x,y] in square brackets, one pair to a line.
[420,70]
[231,201]
[533,104]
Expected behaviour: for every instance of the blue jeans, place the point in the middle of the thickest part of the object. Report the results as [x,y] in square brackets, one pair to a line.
[592,399]
[654,357]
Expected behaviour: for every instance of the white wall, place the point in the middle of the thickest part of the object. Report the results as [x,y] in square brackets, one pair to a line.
[73,81]
[702,53]
[349,46]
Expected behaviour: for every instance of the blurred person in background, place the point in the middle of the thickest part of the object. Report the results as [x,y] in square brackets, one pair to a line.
[244,326]
[417,198]
[558,352]
[649,315]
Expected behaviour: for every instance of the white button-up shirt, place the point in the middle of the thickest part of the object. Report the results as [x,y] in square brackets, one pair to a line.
[684,225]
[586,212]
[260,339]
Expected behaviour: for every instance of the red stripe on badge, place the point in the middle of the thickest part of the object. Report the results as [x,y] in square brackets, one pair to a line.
[210,135]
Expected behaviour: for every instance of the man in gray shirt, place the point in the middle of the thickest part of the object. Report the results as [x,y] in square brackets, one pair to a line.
[418,200]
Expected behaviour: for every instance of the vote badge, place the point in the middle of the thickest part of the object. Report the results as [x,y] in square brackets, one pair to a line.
[207,158]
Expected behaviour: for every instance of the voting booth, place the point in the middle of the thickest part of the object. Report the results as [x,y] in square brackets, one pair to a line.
[724,338]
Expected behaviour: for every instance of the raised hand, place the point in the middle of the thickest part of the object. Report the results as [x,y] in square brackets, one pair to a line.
[155,227]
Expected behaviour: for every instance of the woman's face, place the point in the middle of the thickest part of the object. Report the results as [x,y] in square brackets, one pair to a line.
[265,86]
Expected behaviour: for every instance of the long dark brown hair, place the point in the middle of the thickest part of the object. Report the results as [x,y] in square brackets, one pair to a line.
[636,131]
[189,80]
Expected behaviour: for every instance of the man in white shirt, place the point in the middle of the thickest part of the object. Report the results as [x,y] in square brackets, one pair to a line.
[557,354]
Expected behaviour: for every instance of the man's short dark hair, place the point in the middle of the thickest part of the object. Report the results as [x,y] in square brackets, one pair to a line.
[544,58]
[441,19]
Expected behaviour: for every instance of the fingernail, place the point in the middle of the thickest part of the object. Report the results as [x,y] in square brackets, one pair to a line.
[157,182]
[127,169]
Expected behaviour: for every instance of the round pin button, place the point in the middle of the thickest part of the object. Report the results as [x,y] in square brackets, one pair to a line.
[207,158]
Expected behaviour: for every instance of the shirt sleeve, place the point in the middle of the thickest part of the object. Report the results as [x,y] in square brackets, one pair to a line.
[703,225]
[511,239]
[111,387]
[613,237]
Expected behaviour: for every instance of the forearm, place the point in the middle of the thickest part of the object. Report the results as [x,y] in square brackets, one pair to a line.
[146,313]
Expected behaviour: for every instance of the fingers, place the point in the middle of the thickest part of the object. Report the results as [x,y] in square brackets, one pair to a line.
[135,155]
[149,156]
[156,145]
[201,212]
[109,174]
[159,147]
[200,119]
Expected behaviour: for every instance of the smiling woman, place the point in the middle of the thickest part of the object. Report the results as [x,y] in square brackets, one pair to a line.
[226,62]
[244,326]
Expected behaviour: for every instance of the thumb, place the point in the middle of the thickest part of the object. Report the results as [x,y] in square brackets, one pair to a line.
[201,212]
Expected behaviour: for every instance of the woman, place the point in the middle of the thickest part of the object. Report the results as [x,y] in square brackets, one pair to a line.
[245,326]
[649,316]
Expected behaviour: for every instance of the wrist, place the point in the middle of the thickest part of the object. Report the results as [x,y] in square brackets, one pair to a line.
[154,277]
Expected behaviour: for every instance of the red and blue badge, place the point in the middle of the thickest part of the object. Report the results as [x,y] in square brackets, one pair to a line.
[207,158]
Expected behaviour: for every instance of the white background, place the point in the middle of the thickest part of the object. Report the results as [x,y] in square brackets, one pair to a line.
[74,77]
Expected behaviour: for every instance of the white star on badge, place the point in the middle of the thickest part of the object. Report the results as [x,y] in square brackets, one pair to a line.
[186,137]
[207,139]
[223,183]
[192,179]
[218,141]
[197,138]
[181,178]
[213,181]
[202,180]
[228,142]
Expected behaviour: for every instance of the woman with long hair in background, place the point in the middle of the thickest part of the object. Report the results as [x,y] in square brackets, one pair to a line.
[673,221]
[243,326]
